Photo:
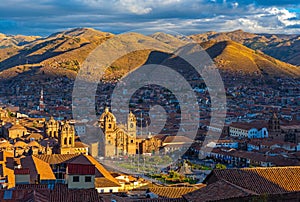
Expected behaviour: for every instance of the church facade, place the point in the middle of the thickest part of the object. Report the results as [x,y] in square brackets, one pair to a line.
[119,140]
[65,134]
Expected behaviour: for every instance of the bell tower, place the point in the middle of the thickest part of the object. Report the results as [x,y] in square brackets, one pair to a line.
[51,128]
[131,130]
[108,124]
[66,138]
[41,102]
[107,121]
[274,127]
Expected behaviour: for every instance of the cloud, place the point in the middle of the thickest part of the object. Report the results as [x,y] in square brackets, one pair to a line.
[185,16]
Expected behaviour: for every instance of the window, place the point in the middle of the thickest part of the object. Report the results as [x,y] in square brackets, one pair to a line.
[75,178]
[70,140]
[102,190]
[65,141]
[131,141]
[110,191]
[109,125]
[88,178]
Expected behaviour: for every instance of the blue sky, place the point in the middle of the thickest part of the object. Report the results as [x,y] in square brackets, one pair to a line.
[32,17]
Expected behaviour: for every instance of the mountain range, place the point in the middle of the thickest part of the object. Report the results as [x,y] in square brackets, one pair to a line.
[62,53]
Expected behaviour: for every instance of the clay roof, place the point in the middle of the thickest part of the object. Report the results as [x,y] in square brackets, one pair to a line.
[25,195]
[79,159]
[56,158]
[33,144]
[171,192]
[20,144]
[60,193]
[35,136]
[80,145]
[104,182]
[219,190]
[177,139]
[262,180]
[21,171]
[80,169]
[10,174]
[5,144]
[37,166]
[17,126]
[101,169]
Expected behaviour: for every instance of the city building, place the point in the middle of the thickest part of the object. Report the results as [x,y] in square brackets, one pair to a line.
[119,140]
[248,130]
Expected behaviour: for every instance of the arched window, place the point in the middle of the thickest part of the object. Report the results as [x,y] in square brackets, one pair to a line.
[54,134]
[50,133]
[70,140]
[65,140]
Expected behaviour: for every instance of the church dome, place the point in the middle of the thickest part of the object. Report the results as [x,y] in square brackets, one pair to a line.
[107,115]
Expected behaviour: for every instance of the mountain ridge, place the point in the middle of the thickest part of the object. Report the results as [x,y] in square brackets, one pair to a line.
[62,53]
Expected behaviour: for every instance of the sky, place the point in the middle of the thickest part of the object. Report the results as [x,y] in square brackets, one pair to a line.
[44,17]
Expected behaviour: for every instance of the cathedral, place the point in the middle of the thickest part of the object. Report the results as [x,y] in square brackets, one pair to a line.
[64,133]
[118,140]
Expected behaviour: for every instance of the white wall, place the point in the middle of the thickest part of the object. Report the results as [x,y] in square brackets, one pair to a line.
[107,189]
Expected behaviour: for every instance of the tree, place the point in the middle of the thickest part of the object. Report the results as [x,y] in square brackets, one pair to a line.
[220,166]
[166,159]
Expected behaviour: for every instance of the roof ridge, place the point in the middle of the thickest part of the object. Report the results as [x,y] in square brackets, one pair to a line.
[239,187]
[267,168]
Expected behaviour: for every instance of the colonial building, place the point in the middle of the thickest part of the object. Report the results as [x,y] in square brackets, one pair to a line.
[248,130]
[66,139]
[78,171]
[13,131]
[65,134]
[118,140]
[150,145]
[51,128]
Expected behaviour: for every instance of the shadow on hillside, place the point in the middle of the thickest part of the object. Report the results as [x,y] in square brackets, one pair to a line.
[23,57]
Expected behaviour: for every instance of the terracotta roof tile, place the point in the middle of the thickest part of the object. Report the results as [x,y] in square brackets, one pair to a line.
[262,180]
[80,169]
[104,182]
[171,192]
[177,139]
[37,166]
[219,190]
[56,158]
[21,171]
[101,172]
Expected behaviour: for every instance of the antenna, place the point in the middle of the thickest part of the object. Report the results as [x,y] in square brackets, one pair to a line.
[141,124]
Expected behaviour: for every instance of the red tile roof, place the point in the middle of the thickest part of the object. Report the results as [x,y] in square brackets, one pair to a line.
[171,192]
[80,169]
[41,193]
[21,171]
[219,190]
[261,180]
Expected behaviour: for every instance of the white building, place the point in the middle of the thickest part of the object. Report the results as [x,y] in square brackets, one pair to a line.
[224,143]
[248,130]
